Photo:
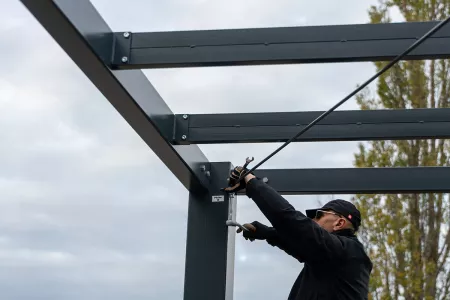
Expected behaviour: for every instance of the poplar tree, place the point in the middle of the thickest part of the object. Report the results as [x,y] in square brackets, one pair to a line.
[407,235]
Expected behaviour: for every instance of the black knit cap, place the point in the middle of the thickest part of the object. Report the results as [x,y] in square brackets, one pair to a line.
[342,207]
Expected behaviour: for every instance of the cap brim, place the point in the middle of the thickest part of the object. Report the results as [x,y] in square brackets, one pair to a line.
[311,213]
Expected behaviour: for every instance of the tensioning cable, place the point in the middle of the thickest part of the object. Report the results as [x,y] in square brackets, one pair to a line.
[387,67]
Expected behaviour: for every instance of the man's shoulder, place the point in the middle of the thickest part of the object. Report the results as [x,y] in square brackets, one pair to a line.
[354,247]
[350,240]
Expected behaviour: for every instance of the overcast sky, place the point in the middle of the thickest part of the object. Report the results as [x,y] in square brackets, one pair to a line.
[81,195]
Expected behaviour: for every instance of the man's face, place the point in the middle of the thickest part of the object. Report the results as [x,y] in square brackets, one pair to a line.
[329,220]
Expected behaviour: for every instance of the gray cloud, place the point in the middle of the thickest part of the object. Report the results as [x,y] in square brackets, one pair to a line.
[81,194]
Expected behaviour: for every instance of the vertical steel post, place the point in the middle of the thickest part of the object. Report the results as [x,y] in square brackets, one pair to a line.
[209,269]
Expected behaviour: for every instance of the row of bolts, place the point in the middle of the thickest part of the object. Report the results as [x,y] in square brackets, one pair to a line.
[125,35]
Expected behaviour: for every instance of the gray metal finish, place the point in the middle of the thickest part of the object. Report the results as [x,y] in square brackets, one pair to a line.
[78,28]
[358,180]
[284,45]
[398,124]
[106,58]
[210,243]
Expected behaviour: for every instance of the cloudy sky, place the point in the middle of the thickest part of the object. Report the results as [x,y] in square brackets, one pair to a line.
[81,195]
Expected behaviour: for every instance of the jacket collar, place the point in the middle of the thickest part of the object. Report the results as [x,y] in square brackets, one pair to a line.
[345,232]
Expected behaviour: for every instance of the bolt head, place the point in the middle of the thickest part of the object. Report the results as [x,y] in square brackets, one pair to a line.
[265,180]
[208,174]
[203,168]
[185,117]
[126,35]
[124,59]
[184,137]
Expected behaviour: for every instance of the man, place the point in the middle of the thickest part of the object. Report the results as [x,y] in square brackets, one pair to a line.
[335,263]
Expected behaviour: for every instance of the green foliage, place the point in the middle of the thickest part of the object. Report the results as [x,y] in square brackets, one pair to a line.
[407,236]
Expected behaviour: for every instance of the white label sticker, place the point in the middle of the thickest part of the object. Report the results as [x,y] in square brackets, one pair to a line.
[219,198]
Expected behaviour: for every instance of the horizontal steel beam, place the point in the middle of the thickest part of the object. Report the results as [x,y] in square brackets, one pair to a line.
[358,180]
[281,45]
[79,29]
[354,125]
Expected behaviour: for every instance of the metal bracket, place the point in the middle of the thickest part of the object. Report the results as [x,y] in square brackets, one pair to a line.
[121,49]
[181,130]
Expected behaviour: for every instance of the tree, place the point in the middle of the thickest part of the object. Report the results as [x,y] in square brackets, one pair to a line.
[407,236]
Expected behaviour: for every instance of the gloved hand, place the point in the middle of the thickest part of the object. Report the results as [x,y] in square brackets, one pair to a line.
[257,231]
[234,183]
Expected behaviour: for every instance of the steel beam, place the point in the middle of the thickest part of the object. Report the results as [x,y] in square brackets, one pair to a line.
[79,29]
[354,125]
[210,245]
[282,45]
[358,180]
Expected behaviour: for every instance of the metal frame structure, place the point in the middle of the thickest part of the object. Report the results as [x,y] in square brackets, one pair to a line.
[112,61]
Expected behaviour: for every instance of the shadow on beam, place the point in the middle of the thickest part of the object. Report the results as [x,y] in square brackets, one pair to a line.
[358,180]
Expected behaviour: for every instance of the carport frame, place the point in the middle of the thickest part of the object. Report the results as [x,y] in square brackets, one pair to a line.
[112,61]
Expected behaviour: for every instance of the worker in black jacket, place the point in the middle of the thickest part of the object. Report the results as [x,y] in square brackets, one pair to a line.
[336,265]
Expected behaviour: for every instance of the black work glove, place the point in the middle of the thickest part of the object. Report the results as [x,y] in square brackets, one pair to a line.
[257,231]
[234,183]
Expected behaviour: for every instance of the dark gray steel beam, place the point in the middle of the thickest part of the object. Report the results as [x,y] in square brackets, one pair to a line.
[354,125]
[79,29]
[283,45]
[210,245]
[358,180]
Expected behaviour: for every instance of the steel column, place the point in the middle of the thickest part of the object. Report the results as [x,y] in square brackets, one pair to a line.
[210,243]
[79,29]
[357,125]
[358,180]
[283,45]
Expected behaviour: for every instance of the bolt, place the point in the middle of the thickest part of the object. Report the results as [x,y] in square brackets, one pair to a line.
[265,180]
[208,174]
[183,137]
[124,59]
[203,168]
[185,117]
[126,35]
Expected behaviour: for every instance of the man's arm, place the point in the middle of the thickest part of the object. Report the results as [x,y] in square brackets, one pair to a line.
[277,241]
[305,238]
[259,231]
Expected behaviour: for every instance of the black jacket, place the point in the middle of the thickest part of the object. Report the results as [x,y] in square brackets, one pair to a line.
[336,265]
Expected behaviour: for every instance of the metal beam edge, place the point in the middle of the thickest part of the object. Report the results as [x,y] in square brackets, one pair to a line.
[285,45]
[396,180]
[348,125]
[314,33]
[83,34]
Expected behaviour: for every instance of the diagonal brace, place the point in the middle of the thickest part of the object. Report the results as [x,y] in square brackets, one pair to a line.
[82,33]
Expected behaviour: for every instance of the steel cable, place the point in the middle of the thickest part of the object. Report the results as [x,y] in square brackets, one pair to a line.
[387,67]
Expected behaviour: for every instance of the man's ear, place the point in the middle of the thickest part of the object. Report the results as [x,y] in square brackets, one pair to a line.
[340,223]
